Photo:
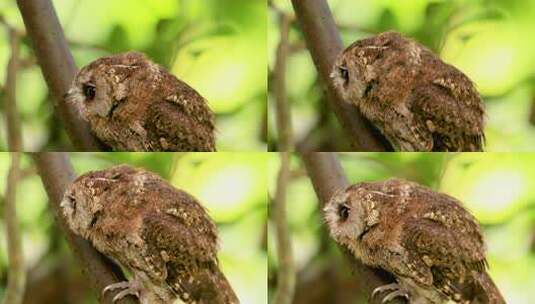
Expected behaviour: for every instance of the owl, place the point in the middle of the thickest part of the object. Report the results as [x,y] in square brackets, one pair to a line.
[427,240]
[418,102]
[161,235]
[133,104]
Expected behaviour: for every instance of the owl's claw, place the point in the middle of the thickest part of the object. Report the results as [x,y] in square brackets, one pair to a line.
[398,291]
[395,294]
[130,288]
[128,291]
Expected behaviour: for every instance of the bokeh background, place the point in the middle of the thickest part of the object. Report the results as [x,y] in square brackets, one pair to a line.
[218,47]
[497,188]
[486,39]
[232,186]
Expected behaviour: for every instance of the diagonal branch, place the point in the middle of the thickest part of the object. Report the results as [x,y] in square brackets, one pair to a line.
[57,65]
[324,44]
[327,176]
[56,174]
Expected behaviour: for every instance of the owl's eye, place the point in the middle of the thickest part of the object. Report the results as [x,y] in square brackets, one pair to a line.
[89,91]
[343,212]
[344,73]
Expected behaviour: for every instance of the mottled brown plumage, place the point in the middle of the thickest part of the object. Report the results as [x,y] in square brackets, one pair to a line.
[162,235]
[416,100]
[427,240]
[133,104]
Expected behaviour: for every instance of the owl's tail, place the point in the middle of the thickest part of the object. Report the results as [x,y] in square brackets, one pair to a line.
[207,285]
[487,293]
[227,295]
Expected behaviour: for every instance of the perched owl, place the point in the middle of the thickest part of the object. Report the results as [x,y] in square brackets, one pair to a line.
[427,240]
[416,100]
[160,234]
[133,104]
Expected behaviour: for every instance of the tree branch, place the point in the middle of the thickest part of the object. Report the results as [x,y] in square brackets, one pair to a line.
[286,275]
[16,271]
[56,174]
[57,65]
[14,137]
[324,44]
[327,177]
[284,122]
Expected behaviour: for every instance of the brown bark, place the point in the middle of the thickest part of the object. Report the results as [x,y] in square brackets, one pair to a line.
[57,65]
[327,176]
[56,174]
[324,44]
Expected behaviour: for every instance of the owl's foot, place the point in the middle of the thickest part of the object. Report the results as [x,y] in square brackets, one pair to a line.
[398,291]
[130,288]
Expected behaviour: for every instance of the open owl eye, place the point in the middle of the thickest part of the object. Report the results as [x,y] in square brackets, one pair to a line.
[89,91]
[344,73]
[343,211]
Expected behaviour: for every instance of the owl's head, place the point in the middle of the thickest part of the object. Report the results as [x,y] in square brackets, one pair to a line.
[99,87]
[83,201]
[352,212]
[354,73]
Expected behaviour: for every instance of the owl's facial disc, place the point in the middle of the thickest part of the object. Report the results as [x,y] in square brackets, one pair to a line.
[80,213]
[340,76]
[91,94]
[344,218]
[348,79]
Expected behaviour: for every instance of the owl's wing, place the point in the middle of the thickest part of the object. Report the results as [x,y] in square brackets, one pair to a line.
[450,108]
[182,240]
[451,254]
[182,121]
[188,255]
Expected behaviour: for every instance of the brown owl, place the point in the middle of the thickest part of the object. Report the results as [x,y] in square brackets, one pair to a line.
[160,234]
[133,104]
[427,240]
[416,100]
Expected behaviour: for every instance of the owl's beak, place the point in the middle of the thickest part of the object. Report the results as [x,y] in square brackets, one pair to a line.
[334,73]
[65,202]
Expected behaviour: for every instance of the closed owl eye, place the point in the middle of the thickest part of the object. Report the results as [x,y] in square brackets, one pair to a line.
[89,91]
